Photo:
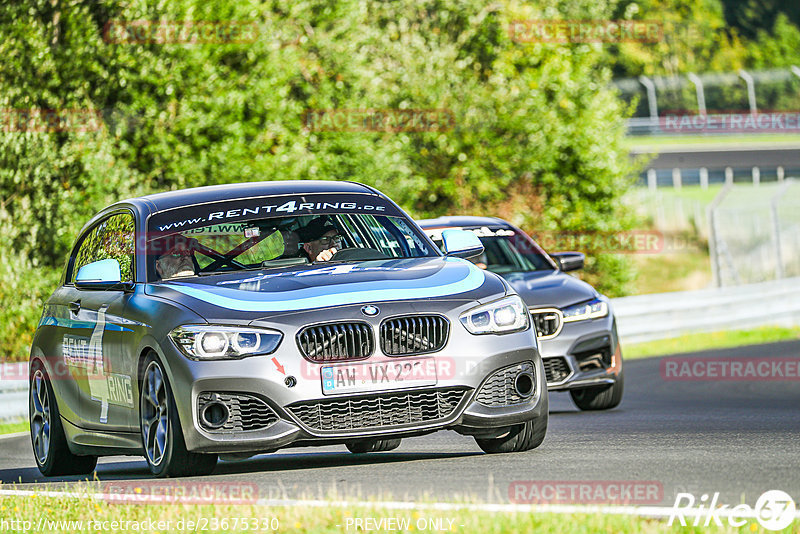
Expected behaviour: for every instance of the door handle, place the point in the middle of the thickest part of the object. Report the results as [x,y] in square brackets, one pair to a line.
[75,306]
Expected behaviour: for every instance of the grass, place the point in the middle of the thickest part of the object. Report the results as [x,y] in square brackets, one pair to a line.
[229,518]
[670,140]
[691,192]
[713,340]
[679,271]
[13,427]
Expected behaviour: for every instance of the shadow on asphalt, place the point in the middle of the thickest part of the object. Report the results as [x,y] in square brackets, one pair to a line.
[135,470]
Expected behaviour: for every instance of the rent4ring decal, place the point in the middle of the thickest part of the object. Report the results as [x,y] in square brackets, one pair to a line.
[87,353]
[241,210]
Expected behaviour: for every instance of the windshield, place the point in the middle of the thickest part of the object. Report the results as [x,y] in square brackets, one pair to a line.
[506,250]
[327,234]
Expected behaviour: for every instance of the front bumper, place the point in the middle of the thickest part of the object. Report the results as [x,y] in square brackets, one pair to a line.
[583,354]
[463,365]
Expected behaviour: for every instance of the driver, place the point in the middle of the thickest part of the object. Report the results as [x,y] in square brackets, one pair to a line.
[321,239]
[178,260]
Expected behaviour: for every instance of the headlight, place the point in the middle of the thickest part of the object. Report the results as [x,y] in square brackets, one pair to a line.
[506,315]
[208,342]
[590,310]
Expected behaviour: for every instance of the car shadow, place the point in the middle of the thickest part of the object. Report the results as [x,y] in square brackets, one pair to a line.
[135,470]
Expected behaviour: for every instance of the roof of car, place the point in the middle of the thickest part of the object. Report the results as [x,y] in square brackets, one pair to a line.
[464,221]
[212,193]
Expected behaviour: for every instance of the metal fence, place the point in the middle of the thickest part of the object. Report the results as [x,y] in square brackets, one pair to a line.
[754,233]
[732,93]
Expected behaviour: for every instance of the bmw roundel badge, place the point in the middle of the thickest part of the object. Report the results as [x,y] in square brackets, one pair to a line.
[370,310]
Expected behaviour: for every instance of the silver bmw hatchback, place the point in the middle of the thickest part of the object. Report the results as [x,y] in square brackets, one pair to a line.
[241,319]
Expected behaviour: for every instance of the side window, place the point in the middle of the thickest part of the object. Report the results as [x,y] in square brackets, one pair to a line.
[112,238]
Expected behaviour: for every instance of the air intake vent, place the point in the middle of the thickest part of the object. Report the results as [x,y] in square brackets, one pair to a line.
[415,334]
[379,411]
[548,322]
[556,369]
[336,342]
[245,412]
[500,390]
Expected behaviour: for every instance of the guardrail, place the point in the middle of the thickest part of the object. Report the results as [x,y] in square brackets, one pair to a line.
[652,317]
[13,391]
[640,318]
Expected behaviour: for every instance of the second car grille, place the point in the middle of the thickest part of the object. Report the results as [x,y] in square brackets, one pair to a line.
[499,389]
[548,322]
[416,334]
[245,412]
[336,342]
[379,411]
[556,369]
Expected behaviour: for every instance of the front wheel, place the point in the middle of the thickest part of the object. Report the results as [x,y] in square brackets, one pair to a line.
[162,437]
[53,457]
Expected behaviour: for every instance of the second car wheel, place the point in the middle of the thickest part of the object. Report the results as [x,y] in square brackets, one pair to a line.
[522,437]
[599,398]
[376,445]
[162,437]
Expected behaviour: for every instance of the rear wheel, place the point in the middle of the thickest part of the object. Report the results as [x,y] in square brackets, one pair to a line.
[162,437]
[49,441]
[599,398]
[376,445]
[522,437]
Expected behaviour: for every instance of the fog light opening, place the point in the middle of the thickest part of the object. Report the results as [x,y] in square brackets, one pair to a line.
[214,415]
[523,384]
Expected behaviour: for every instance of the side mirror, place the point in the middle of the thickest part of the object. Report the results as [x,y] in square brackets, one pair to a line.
[102,274]
[569,261]
[461,244]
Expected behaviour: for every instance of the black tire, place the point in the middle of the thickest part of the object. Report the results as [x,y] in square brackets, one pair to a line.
[599,398]
[524,437]
[53,457]
[377,445]
[170,458]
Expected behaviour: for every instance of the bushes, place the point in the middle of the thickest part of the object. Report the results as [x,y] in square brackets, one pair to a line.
[535,138]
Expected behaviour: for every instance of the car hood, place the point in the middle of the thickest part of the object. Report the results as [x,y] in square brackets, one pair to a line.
[325,286]
[550,288]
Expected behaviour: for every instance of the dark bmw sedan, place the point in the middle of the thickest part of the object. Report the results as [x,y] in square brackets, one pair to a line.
[575,324]
[240,319]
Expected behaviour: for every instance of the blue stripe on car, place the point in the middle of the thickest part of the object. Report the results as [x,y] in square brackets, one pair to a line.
[440,284]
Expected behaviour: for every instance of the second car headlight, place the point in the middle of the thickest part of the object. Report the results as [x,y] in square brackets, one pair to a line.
[209,342]
[503,316]
[588,310]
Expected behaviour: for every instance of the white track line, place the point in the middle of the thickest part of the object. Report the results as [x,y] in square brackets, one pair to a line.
[643,511]
[14,435]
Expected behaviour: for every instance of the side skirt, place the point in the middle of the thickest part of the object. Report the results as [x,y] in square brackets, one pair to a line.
[93,443]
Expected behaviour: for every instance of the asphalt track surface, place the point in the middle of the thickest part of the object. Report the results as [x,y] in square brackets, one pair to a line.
[739,438]
[694,157]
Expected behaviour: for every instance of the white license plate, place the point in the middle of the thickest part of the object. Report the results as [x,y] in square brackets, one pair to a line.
[378,376]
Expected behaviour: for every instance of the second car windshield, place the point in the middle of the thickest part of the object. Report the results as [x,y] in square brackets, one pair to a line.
[275,242]
[505,250]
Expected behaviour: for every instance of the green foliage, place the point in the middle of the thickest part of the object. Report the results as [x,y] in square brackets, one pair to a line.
[536,135]
[709,36]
